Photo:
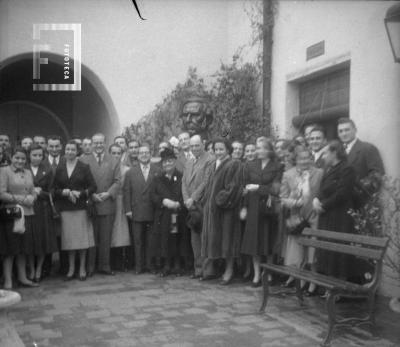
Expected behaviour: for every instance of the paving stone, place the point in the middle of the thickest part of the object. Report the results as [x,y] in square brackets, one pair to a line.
[130,310]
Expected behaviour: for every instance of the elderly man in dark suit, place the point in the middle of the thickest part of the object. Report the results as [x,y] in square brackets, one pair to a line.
[139,208]
[107,175]
[365,160]
[195,175]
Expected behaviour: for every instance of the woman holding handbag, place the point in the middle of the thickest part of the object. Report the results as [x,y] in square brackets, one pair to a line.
[16,188]
[262,180]
[73,184]
[300,185]
[43,238]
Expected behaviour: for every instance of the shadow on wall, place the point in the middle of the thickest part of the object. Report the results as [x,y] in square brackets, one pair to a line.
[27,112]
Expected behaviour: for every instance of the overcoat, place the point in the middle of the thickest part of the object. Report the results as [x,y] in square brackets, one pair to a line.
[171,245]
[221,224]
[259,238]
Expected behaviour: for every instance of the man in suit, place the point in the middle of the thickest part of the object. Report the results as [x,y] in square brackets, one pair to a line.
[51,162]
[317,142]
[107,175]
[41,141]
[139,208]
[195,175]
[185,154]
[364,158]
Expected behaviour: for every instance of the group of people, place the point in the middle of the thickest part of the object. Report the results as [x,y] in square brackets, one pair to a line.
[207,209]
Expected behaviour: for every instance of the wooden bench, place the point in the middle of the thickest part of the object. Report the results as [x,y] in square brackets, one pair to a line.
[366,247]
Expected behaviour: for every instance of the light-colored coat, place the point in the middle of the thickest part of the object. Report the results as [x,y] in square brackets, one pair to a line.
[108,179]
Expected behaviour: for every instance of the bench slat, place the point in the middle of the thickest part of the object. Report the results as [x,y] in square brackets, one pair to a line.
[333,235]
[342,248]
[319,279]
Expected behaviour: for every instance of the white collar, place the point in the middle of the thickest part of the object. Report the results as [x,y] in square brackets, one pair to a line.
[350,145]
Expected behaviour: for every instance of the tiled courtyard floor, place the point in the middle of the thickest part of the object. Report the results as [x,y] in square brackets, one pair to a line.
[145,310]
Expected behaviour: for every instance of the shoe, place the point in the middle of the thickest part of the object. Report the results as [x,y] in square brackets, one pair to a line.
[37,279]
[82,278]
[208,278]
[28,284]
[256,284]
[68,278]
[246,278]
[194,276]
[309,294]
[291,284]
[226,282]
[90,273]
[107,272]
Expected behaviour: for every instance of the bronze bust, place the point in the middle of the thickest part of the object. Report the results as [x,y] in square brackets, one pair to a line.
[196,116]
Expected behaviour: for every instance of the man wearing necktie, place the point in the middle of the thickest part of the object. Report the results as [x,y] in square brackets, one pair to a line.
[139,209]
[107,175]
[185,153]
[364,157]
[52,161]
[317,142]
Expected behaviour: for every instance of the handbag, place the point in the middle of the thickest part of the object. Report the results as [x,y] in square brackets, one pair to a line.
[91,208]
[295,223]
[270,206]
[10,213]
[19,223]
[54,212]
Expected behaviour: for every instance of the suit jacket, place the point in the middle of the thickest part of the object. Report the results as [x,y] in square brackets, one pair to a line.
[44,179]
[137,193]
[108,179]
[181,161]
[47,164]
[195,176]
[366,160]
[81,179]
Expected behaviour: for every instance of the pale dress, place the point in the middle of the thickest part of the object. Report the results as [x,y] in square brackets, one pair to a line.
[120,234]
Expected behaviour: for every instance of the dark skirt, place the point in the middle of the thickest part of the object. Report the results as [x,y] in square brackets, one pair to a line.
[42,238]
[14,244]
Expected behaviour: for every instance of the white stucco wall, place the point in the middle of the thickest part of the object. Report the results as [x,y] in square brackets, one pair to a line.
[353,30]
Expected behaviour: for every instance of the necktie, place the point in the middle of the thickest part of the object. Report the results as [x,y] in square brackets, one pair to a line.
[99,158]
[145,172]
[54,164]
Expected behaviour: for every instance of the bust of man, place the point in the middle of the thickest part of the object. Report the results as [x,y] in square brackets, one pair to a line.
[196,116]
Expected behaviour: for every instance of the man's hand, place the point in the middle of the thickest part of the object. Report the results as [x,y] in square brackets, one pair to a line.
[96,197]
[129,214]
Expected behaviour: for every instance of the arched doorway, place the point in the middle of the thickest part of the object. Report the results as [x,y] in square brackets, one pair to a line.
[27,112]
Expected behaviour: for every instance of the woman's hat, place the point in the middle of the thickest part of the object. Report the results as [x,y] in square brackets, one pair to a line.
[167,153]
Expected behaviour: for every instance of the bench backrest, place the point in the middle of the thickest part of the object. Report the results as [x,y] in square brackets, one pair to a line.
[369,247]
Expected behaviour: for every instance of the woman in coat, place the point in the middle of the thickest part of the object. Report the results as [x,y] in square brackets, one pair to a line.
[299,187]
[73,185]
[170,214]
[120,237]
[16,187]
[262,181]
[221,224]
[332,204]
[43,240]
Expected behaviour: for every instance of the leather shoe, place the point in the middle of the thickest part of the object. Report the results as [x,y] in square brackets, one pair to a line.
[194,276]
[107,272]
[68,278]
[256,284]
[226,282]
[82,278]
[208,278]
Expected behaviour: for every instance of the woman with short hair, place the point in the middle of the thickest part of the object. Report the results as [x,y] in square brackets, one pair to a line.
[73,185]
[16,187]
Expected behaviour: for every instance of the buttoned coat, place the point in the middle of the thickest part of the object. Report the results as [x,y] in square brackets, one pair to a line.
[107,176]
[195,177]
[137,193]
